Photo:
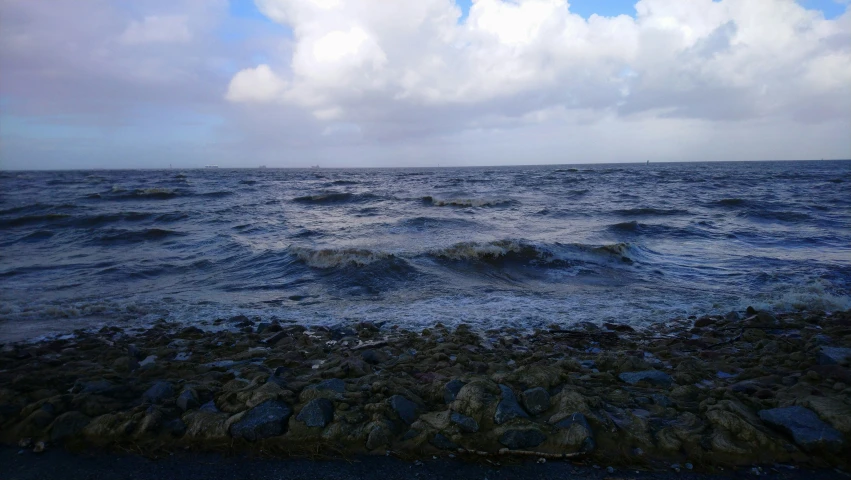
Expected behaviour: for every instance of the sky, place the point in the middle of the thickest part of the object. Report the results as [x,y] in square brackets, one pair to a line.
[376,83]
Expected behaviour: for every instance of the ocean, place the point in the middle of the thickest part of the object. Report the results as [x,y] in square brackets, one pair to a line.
[494,247]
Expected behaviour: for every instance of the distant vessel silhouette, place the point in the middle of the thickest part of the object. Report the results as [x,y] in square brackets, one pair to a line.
[211,166]
[262,166]
[314,166]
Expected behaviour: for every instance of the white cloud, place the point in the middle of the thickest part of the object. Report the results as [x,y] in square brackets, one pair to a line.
[255,85]
[372,61]
[157,29]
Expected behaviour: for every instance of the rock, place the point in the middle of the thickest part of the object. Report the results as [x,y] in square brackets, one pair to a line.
[536,400]
[39,447]
[187,399]
[318,412]
[465,423]
[451,389]
[834,355]
[522,439]
[508,408]
[95,386]
[68,425]
[378,436]
[175,427]
[703,322]
[574,431]
[265,420]
[806,428]
[373,357]
[406,409]
[442,442]
[732,317]
[654,377]
[207,425]
[833,410]
[333,388]
[159,392]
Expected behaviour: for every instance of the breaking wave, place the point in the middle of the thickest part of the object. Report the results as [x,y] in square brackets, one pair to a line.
[330,198]
[469,202]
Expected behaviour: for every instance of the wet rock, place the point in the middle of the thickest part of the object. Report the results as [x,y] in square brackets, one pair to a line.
[68,425]
[373,357]
[333,388]
[574,431]
[265,420]
[158,393]
[442,442]
[653,377]
[318,412]
[516,439]
[406,409]
[188,399]
[465,423]
[834,356]
[508,408]
[95,386]
[536,400]
[805,427]
[451,389]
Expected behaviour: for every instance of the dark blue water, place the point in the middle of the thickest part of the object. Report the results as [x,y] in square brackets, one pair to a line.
[519,246]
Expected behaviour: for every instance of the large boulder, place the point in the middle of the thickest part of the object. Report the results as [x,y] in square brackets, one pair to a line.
[406,409]
[536,400]
[575,432]
[318,412]
[508,408]
[805,427]
[158,393]
[68,425]
[517,439]
[265,420]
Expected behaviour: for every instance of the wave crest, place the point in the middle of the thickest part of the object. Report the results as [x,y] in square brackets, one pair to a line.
[339,257]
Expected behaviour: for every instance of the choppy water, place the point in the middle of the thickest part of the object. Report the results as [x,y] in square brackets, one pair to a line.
[518,246]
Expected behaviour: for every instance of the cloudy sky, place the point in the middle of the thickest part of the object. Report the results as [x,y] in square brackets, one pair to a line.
[110,83]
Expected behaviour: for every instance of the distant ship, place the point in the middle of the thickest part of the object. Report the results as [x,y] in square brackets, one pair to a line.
[262,166]
[314,166]
[211,166]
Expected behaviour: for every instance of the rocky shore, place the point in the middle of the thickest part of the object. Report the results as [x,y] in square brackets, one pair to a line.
[703,394]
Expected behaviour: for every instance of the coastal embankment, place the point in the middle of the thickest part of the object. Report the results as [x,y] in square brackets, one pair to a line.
[752,390]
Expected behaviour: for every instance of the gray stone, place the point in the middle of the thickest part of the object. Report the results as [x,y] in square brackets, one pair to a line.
[662,400]
[406,409]
[209,407]
[465,423]
[334,385]
[318,412]
[188,399]
[508,408]
[442,442]
[451,389]
[536,400]
[834,355]
[574,422]
[67,425]
[521,439]
[265,420]
[158,393]
[805,427]
[654,377]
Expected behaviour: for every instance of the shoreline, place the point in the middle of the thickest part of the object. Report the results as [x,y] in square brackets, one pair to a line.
[748,388]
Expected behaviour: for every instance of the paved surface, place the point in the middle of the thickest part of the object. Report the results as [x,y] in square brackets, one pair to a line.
[59,464]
